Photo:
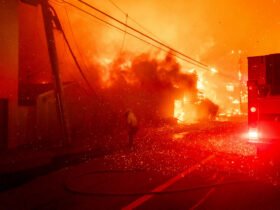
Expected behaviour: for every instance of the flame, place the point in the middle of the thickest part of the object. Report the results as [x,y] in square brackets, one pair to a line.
[96,38]
[184,110]
[200,81]
[179,113]
[213,70]
[105,72]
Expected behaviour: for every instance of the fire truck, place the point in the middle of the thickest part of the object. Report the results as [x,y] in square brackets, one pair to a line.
[264,101]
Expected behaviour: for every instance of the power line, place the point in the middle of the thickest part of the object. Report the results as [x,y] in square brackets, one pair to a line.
[145,35]
[120,29]
[127,16]
[201,65]
[123,41]
[72,53]
[72,33]
[145,41]
[126,19]
[122,11]
[133,20]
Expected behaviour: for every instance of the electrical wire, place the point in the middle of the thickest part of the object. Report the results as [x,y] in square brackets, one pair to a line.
[122,30]
[61,4]
[115,5]
[124,35]
[147,42]
[76,62]
[141,33]
[72,53]
[126,19]
[170,50]
[133,20]
[72,33]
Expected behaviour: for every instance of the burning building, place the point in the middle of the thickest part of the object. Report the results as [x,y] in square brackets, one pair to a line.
[145,83]
[149,83]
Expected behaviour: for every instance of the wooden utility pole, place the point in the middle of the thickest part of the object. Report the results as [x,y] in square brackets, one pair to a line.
[48,21]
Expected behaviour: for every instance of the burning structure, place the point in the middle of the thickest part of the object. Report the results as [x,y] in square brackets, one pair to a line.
[145,83]
[152,84]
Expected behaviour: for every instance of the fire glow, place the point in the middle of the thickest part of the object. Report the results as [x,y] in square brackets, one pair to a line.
[195,107]
[184,111]
[149,74]
[96,39]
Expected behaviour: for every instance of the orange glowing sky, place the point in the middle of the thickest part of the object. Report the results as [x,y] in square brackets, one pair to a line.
[216,32]
[211,31]
[207,30]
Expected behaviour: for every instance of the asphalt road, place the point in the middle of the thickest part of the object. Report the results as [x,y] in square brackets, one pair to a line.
[205,166]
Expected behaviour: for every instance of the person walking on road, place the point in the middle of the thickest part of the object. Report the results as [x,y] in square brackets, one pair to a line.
[132,127]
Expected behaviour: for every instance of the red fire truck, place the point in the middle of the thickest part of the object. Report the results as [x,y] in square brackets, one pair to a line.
[264,101]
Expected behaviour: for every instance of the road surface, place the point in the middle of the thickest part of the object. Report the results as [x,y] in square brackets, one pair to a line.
[205,166]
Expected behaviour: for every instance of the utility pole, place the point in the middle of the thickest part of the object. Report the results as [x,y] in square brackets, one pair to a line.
[240,82]
[48,18]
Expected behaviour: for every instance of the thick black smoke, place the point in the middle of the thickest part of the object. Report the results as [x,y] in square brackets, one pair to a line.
[148,72]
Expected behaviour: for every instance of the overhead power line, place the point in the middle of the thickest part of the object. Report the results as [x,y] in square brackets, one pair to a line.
[173,53]
[120,9]
[145,29]
[145,35]
[123,41]
[197,63]
[133,20]
[122,30]
[71,52]
[73,37]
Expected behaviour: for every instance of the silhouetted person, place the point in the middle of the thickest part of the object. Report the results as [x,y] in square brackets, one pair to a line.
[132,126]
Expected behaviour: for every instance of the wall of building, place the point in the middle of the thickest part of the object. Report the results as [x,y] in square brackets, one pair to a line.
[9,65]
